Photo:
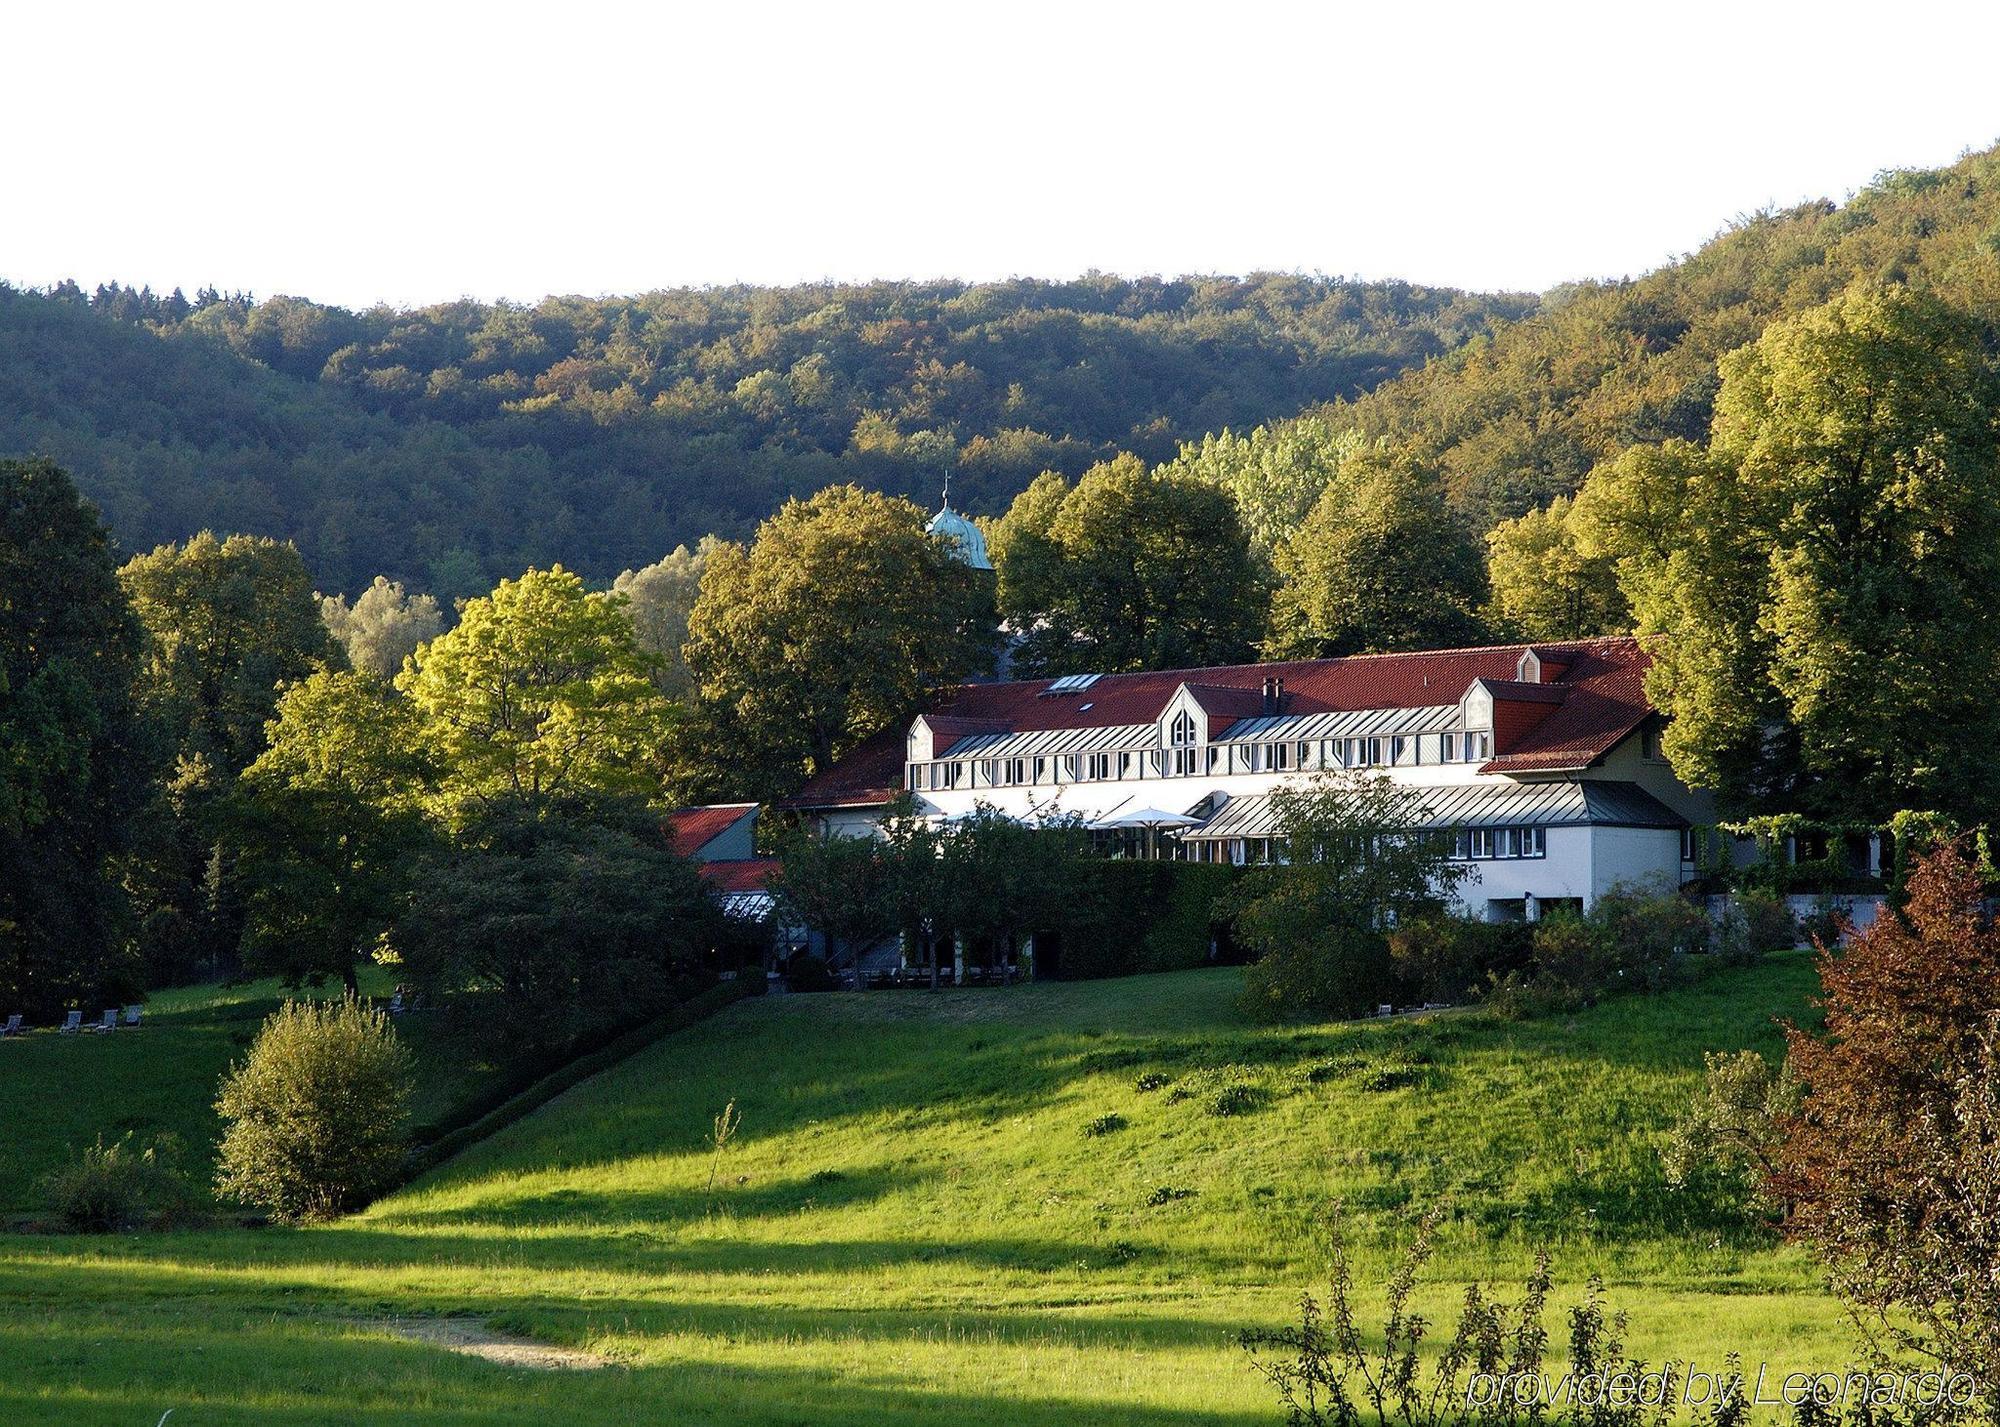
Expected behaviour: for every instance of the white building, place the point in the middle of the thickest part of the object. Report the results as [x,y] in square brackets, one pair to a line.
[1541,760]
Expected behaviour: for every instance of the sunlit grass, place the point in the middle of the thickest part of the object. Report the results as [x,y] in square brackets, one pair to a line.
[913,1225]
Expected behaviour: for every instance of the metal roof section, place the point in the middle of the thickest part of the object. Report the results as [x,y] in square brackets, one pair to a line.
[1355,723]
[1039,742]
[1588,803]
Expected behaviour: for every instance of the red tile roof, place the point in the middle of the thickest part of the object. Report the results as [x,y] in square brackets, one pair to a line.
[747,874]
[689,830]
[1602,700]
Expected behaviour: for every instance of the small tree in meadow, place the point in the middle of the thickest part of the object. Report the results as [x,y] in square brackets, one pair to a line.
[1353,870]
[317,1115]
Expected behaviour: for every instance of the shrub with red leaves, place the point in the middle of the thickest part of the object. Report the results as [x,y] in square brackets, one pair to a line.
[1892,1162]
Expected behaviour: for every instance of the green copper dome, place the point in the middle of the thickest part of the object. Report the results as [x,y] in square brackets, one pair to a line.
[971,544]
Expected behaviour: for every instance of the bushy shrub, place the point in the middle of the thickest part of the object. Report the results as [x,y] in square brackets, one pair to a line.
[1646,935]
[1343,971]
[1731,1134]
[1452,958]
[1151,1080]
[1104,1125]
[1826,924]
[317,1114]
[1329,1372]
[1167,1194]
[1631,940]
[806,972]
[121,1186]
[1759,923]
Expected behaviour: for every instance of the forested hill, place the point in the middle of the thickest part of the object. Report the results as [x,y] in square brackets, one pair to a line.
[454,444]
[1510,422]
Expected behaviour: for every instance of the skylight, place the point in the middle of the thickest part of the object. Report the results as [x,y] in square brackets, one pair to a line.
[1071,684]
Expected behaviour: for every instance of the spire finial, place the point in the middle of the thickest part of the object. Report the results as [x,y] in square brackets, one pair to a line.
[947,490]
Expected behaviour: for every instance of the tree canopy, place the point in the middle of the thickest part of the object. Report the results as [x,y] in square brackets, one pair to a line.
[450,445]
[840,619]
[1379,565]
[539,693]
[1128,569]
[1817,584]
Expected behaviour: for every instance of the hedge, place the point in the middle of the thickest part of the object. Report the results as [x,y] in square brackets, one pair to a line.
[440,1141]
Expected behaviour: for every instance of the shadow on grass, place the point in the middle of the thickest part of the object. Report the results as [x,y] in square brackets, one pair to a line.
[858,1368]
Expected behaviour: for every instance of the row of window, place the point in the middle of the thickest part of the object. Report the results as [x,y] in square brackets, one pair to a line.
[1184,760]
[1487,844]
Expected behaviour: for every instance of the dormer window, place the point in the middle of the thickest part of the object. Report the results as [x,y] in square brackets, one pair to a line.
[1182,733]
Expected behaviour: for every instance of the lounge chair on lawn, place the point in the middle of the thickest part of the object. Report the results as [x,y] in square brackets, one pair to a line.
[110,1021]
[13,1026]
[131,1021]
[72,1023]
[396,1004]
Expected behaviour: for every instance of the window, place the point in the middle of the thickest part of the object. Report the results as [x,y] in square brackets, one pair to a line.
[1182,733]
[1281,757]
[1124,765]
[989,769]
[1041,770]
[1690,846]
[937,776]
[1097,766]
[1477,746]
[1401,750]
[1069,768]
[915,781]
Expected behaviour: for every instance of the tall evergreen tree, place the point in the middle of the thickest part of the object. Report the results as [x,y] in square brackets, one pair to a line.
[72,764]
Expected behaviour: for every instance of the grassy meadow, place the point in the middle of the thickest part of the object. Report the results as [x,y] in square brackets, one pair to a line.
[916,1223]
[59,1094]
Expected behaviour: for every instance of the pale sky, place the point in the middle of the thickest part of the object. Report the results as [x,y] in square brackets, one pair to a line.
[416,152]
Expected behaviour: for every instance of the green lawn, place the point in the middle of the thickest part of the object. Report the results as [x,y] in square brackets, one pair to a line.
[914,1226]
[59,1094]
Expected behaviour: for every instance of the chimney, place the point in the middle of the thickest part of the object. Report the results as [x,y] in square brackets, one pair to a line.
[1274,695]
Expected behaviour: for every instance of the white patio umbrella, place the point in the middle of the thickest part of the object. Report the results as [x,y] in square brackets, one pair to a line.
[1150,821]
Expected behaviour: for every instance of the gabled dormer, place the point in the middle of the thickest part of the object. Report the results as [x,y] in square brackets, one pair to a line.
[932,735]
[1507,710]
[1540,664]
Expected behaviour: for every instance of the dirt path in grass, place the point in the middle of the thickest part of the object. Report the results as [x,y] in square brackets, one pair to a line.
[472,1337]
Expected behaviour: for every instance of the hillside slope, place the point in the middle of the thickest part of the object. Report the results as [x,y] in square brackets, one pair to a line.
[450,445]
[914,1225]
[1513,421]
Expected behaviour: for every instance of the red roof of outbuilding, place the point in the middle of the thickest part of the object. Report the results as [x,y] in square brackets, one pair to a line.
[746,874]
[689,830]
[1602,699]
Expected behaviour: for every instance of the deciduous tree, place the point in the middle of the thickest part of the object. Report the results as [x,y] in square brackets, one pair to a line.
[330,825]
[383,627]
[1818,586]
[1130,569]
[540,693]
[1543,584]
[1353,869]
[228,623]
[1379,565]
[841,619]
